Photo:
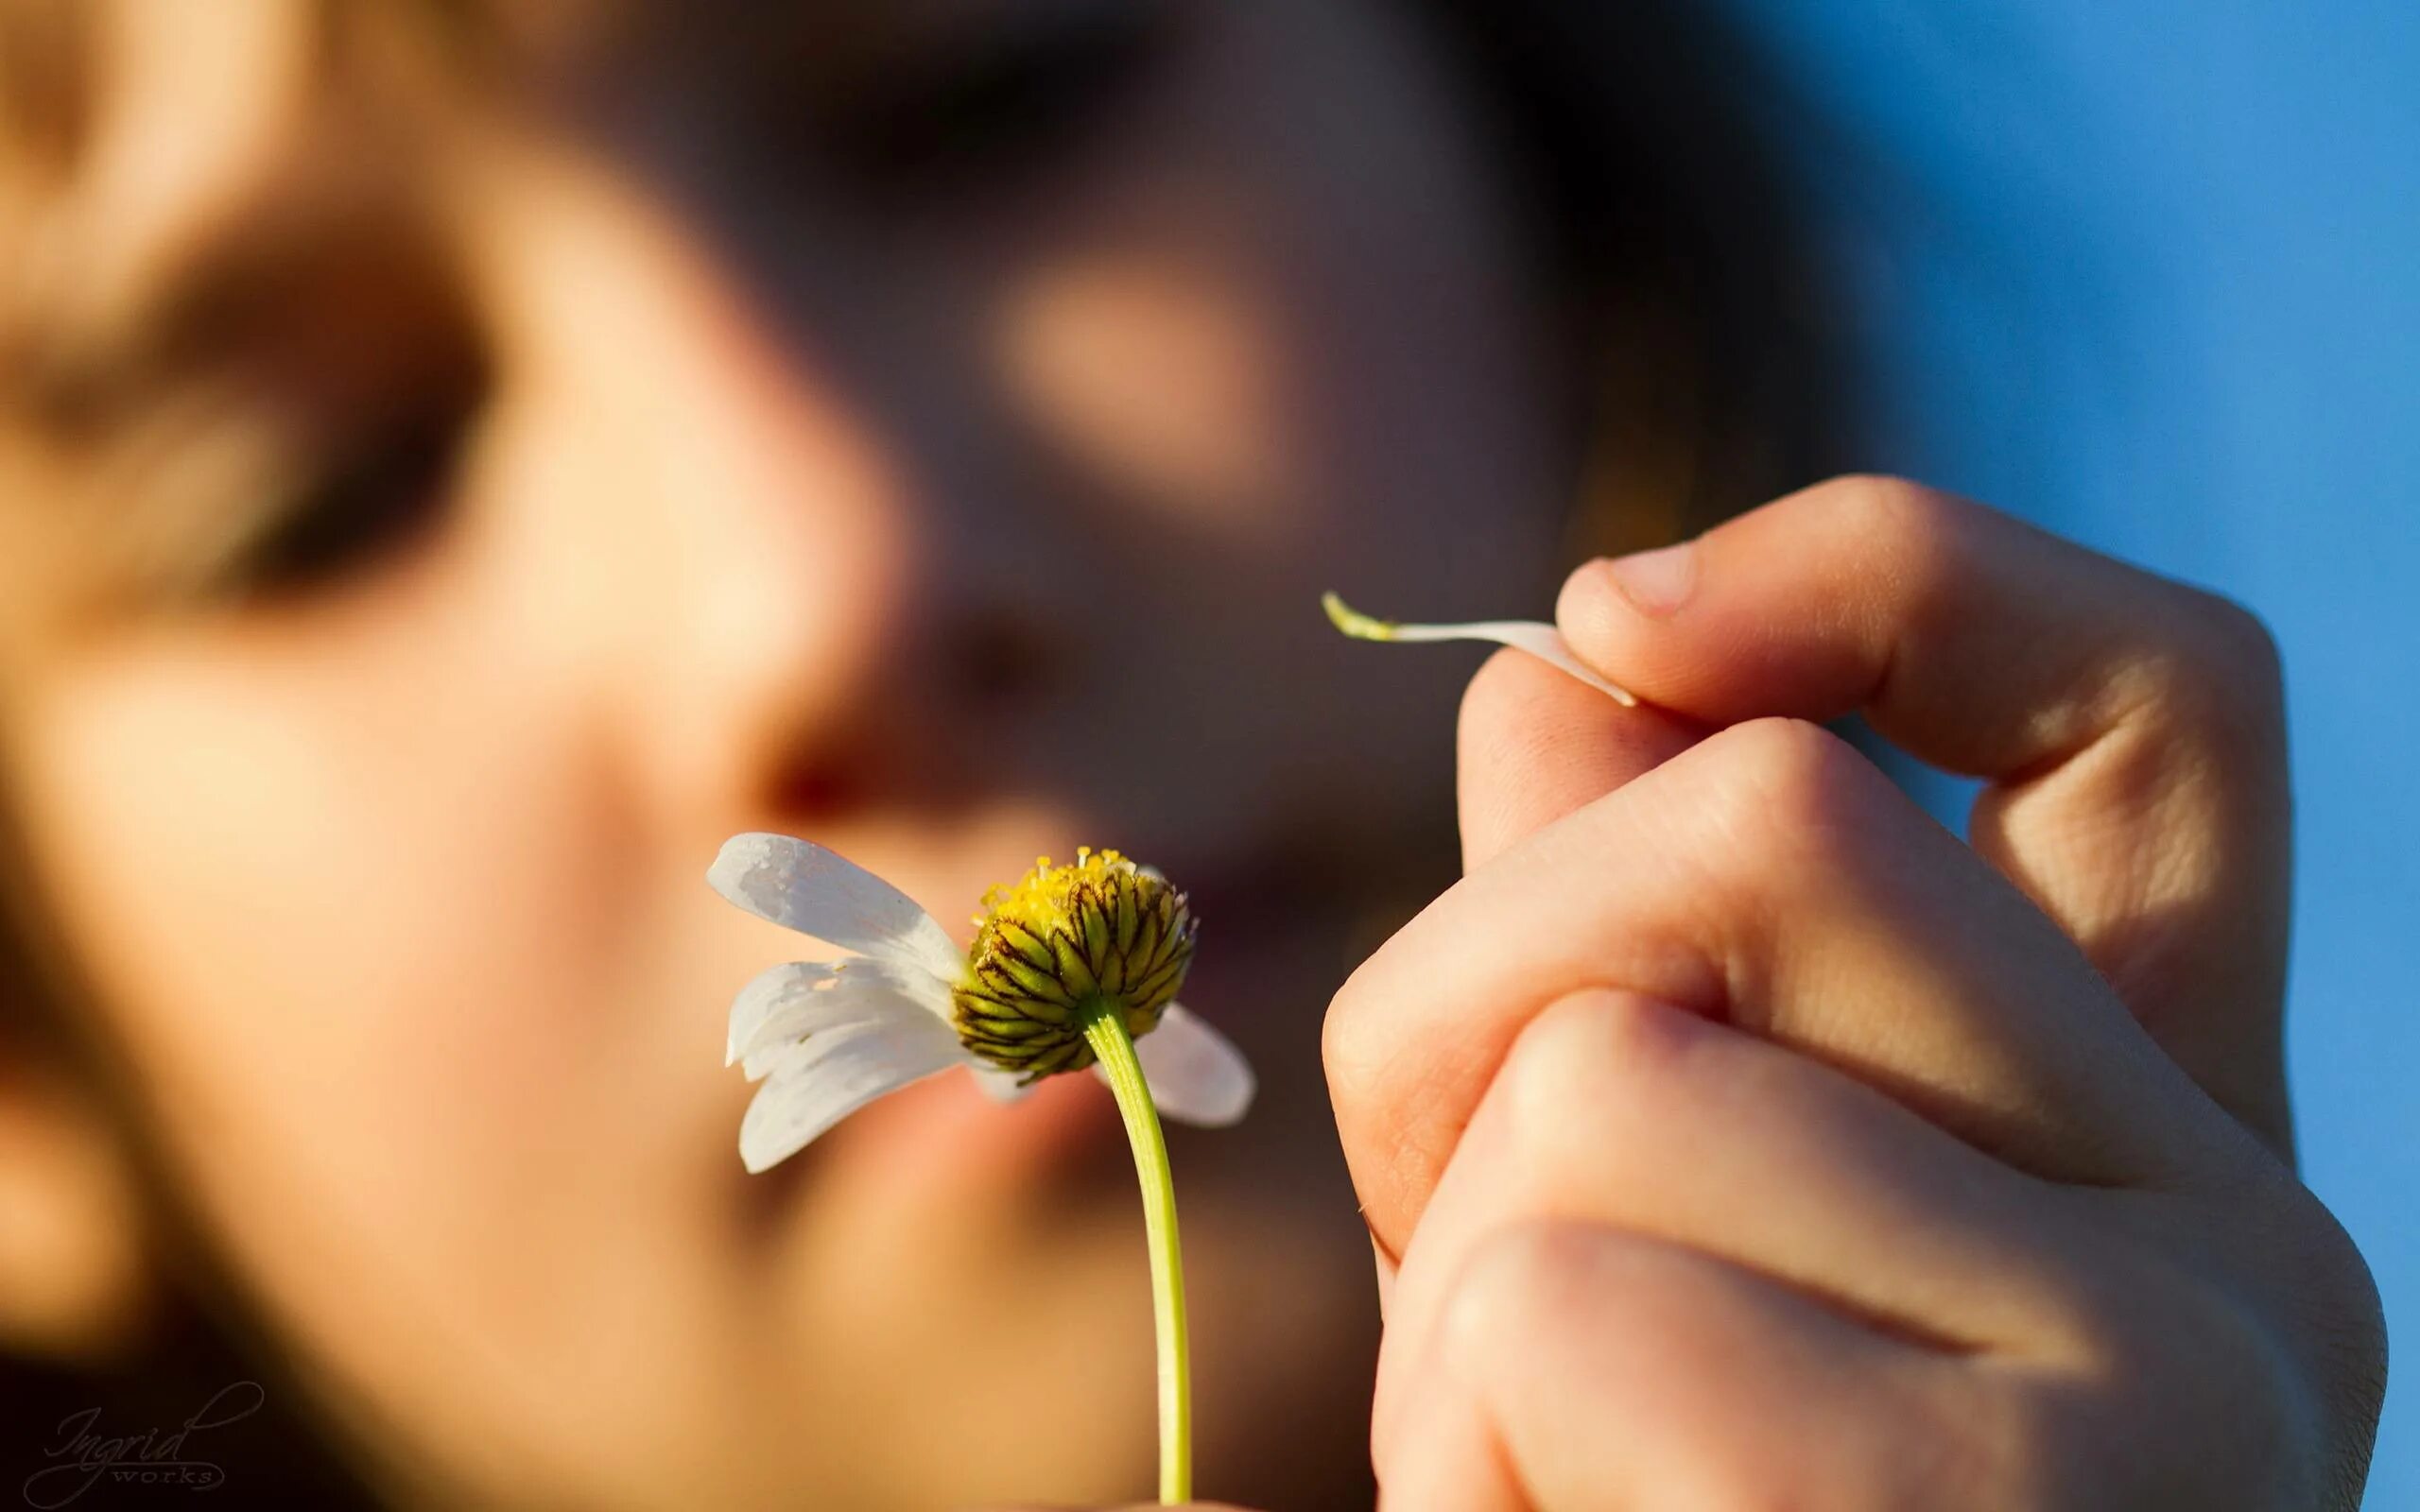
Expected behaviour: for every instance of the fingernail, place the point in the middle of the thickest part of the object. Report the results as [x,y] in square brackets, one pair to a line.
[1656,582]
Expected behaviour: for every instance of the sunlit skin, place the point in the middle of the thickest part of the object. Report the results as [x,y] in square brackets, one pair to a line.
[1730,1099]
[964,521]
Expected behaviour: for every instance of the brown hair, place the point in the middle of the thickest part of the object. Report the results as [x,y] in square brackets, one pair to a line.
[1702,356]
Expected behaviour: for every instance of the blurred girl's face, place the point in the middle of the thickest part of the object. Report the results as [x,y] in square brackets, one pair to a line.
[924,428]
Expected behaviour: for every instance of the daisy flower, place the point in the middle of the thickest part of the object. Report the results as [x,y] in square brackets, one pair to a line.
[826,1037]
[1073,966]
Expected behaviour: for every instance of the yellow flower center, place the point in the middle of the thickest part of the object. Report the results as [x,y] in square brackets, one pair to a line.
[1058,939]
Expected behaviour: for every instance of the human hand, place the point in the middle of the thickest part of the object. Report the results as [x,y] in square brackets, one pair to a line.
[1747,1140]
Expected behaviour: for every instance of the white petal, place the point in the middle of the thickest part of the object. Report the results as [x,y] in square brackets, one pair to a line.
[833,1075]
[816,892]
[999,1086]
[1544,641]
[1197,1076]
[786,1002]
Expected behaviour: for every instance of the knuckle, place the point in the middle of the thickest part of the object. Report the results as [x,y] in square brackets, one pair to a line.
[1359,1037]
[1507,730]
[1583,1064]
[1514,1281]
[1785,754]
[1876,506]
[2243,635]
[2211,672]
[1347,1039]
[1789,780]
[2235,648]
[1501,680]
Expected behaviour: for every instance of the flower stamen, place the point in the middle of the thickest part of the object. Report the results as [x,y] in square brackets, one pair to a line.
[1061,942]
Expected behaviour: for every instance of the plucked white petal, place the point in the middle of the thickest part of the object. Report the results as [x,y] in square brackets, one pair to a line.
[805,888]
[999,1086]
[1541,641]
[832,1074]
[788,1001]
[1196,1076]
[1544,641]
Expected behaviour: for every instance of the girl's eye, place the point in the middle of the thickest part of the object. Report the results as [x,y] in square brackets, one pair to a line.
[311,397]
[378,494]
[1011,97]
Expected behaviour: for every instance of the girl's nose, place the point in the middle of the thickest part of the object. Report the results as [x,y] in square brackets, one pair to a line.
[771,607]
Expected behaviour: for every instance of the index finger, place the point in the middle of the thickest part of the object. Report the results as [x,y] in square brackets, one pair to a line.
[1772,877]
[2131,728]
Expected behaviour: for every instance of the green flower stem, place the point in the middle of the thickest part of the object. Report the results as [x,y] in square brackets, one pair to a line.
[1105,1030]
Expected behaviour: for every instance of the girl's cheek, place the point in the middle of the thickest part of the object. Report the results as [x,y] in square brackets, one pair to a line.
[340,942]
[380,985]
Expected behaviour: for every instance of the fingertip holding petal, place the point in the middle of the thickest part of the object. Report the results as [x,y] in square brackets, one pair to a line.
[1540,640]
[821,893]
[1196,1074]
[827,1076]
[1547,644]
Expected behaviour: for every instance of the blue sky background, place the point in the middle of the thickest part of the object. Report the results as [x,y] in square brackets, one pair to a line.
[2150,274]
